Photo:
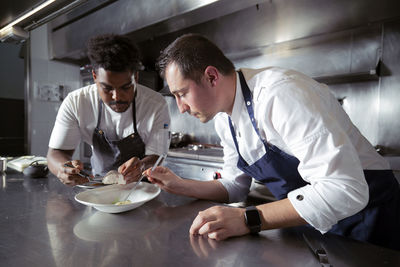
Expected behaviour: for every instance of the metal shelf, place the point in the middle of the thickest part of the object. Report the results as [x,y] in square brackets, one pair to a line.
[370,75]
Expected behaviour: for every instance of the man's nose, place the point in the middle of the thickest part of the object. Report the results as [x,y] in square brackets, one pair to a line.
[116,94]
[182,106]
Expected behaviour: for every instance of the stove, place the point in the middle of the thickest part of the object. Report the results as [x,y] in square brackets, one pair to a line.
[204,163]
[195,161]
[198,152]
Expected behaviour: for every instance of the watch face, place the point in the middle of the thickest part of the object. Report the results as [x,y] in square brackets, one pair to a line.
[253,220]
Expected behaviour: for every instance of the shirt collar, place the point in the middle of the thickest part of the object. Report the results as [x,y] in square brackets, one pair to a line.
[239,101]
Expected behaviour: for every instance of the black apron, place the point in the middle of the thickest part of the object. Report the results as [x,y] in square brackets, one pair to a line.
[377,223]
[112,154]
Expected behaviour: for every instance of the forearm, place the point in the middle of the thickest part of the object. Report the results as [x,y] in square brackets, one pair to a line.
[209,190]
[56,158]
[279,214]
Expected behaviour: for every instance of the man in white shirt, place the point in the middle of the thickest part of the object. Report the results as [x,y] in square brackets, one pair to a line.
[120,119]
[287,131]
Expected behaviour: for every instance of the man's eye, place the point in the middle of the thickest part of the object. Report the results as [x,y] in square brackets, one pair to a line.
[126,88]
[107,89]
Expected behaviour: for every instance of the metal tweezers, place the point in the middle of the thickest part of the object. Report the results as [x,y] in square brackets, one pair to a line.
[81,173]
[158,162]
[318,252]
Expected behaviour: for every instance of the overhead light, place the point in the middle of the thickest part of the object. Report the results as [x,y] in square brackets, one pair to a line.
[28,14]
[14,35]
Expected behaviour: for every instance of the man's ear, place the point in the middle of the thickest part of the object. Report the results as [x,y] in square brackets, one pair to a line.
[94,74]
[136,76]
[211,74]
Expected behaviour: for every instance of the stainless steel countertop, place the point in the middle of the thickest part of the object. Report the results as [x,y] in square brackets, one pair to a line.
[42,225]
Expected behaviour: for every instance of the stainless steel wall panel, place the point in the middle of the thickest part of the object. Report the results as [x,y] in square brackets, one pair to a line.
[149,17]
[361,103]
[342,52]
[319,38]
[389,98]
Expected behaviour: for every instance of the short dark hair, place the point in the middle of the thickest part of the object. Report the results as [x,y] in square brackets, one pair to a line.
[114,53]
[193,53]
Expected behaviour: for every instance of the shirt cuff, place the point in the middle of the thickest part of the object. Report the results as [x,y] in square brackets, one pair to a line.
[310,211]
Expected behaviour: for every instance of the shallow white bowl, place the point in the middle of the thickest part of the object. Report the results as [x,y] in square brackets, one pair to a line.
[103,198]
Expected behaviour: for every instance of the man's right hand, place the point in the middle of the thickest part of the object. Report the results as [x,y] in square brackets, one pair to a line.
[69,175]
[165,179]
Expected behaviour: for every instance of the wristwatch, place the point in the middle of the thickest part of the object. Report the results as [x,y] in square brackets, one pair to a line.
[252,219]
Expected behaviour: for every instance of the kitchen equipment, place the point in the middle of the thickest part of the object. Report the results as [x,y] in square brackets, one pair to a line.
[318,251]
[197,162]
[36,170]
[157,163]
[3,164]
[20,163]
[180,139]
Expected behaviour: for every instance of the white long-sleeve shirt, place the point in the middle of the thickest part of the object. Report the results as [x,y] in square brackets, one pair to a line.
[301,117]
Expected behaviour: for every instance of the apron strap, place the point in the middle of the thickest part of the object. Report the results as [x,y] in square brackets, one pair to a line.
[248,101]
[100,111]
[233,135]
[134,112]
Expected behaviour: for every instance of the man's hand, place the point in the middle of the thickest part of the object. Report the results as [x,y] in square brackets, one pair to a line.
[165,179]
[131,170]
[220,222]
[69,175]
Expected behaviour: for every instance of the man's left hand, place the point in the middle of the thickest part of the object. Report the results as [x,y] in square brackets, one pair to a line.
[220,222]
[131,170]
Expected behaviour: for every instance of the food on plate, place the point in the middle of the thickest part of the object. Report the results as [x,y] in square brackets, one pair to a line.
[122,202]
[113,177]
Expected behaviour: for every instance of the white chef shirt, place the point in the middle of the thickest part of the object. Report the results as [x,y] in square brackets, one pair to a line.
[78,114]
[301,117]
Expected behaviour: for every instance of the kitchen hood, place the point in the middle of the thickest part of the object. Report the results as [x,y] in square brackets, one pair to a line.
[141,20]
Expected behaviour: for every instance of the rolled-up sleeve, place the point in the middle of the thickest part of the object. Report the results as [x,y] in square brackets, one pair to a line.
[328,161]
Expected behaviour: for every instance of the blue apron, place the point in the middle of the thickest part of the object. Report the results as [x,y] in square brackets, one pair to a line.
[110,154]
[376,223]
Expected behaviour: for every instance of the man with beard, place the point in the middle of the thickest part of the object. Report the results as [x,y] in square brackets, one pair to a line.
[119,118]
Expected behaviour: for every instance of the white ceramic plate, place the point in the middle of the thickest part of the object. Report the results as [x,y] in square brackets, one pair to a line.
[103,198]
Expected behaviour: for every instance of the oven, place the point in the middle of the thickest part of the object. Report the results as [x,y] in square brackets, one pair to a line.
[201,162]
[196,161]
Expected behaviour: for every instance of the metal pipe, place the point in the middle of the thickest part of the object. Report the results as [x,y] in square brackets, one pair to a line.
[28,105]
[55,14]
